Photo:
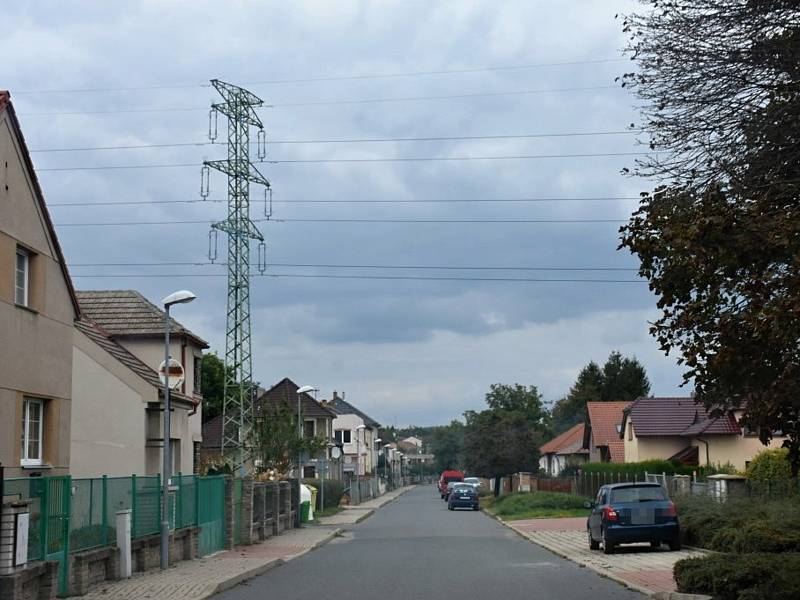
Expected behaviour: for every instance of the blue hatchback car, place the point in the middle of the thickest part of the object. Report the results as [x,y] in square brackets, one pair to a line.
[463,495]
[625,513]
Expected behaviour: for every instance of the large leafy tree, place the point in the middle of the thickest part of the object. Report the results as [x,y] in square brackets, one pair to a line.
[275,439]
[212,385]
[447,446]
[719,236]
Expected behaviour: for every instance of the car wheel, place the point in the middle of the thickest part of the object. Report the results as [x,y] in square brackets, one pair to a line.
[608,547]
[675,545]
[655,545]
[593,544]
[450,507]
[476,507]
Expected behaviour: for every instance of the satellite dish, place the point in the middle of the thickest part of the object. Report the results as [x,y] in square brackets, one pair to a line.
[336,452]
[176,374]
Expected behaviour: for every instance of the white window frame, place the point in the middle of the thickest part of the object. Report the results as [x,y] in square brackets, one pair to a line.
[21,252]
[343,441]
[313,427]
[24,460]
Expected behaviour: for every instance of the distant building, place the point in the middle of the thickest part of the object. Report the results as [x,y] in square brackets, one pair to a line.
[357,433]
[601,436]
[563,450]
[37,311]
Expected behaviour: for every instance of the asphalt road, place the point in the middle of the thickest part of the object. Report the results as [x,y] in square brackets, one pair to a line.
[415,549]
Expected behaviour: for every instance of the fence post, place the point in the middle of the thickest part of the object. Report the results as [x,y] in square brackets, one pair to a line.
[133,506]
[105,510]
[66,509]
[44,515]
[196,500]
[179,502]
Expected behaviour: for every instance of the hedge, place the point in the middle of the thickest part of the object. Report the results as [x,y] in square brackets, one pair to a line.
[741,576]
[770,466]
[742,525]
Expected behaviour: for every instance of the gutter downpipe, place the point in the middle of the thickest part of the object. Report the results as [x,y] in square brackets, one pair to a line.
[708,454]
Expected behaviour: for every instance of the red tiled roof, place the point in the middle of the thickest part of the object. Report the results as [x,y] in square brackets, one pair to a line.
[677,417]
[568,442]
[7,106]
[604,417]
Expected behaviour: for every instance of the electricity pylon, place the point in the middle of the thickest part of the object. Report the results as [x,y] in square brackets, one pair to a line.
[238,106]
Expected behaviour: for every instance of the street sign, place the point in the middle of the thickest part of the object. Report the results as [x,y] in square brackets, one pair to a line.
[176,373]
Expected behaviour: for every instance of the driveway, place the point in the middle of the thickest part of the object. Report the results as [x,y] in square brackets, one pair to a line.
[415,548]
[637,565]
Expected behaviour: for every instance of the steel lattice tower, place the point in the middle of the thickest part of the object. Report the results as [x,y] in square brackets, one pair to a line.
[238,106]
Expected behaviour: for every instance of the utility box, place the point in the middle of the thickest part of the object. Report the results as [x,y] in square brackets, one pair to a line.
[124,542]
[14,525]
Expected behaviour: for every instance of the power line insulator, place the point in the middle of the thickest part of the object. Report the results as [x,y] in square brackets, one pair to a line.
[261,144]
[267,202]
[205,176]
[212,245]
[262,257]
[212,125]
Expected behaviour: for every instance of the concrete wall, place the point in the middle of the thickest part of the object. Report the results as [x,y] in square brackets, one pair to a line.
[36,353]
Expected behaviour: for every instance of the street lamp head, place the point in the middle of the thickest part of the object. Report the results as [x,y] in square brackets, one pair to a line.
[387,446]
[378,440]
[179,297]
[306,388]
[361,427]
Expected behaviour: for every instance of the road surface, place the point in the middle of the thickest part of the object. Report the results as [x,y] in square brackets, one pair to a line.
[415,549]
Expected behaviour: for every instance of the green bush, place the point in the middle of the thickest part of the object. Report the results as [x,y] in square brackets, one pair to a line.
[333,491]
[653,466]
[522,502]
[769,466]
[743,525]
[741,577]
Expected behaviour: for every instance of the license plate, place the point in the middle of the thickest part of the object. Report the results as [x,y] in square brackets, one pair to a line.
[643,516]
[465,497]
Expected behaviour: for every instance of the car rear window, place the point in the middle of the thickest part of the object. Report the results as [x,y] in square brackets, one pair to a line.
[638,494]
[449,479]
[463,488]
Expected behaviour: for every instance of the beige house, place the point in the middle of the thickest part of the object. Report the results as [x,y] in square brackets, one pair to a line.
[357,434]
[117,351]
[37,311]
[681,429]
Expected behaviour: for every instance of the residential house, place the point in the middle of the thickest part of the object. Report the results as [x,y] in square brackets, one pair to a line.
[411,445]
[130,320]
[37,311]
[601,434]
[117,410]
[681,429]
[357,433]
[563,450]
[317,421]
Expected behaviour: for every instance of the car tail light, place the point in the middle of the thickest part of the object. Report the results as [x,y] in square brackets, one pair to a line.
[671,511]
[609,514]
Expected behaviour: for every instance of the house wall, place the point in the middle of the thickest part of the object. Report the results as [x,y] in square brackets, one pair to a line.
[36,353]
[735,449]
[647,448]
[366,444]
[108,428]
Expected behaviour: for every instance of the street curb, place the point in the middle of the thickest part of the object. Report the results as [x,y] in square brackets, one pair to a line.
[261,569]
[366,515]
[642,590]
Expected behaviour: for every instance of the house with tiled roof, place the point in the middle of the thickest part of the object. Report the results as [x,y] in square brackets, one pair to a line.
[37,311]
[566,449]
[601,433]
[317,422]
[357,433]
[678,428]
[117,411]
[130,320]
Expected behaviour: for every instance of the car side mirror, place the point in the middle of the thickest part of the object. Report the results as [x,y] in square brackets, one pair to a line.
[589,505]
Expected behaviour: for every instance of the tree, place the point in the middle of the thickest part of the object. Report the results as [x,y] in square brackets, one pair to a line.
[718,236]
[213,385]
[447,446]
[620,379]
[505,438]
[275,439]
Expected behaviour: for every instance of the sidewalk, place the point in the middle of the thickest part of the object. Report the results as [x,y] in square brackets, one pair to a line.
[204,577]
[355,514]
[637,566]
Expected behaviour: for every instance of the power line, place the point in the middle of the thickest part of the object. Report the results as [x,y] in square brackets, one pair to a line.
[353,201]
[397,221]
[353,140]
[325,102]
[330,78]
[352,266]
[301,161]
[370,277]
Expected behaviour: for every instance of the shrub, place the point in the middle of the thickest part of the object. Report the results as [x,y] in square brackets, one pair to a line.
[770,465]
[740,577]
[522,502]
[333,491]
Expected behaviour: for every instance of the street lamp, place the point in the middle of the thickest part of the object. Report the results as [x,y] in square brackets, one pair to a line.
[374,452]
[180,297]
[358,451]
[303,390]
[385,459]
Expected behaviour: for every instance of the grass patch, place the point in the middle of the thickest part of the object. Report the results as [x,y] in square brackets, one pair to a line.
[536,505]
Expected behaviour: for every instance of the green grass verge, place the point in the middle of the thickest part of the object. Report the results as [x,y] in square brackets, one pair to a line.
[535,505]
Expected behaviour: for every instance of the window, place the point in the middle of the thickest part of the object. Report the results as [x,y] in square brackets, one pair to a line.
[619,427]
[175,451]
[308,429]
[31,438]
[22,277]
[342,436]
[198,374]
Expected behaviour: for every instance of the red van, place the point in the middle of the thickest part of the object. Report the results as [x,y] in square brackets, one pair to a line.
[445,478]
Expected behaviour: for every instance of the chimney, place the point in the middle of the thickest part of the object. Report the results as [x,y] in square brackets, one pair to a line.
[335,395]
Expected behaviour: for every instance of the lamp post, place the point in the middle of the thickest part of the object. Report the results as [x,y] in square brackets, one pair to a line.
[386,460]
[180,297]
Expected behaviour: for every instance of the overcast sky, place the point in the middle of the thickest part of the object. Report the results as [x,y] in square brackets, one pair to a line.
[406,351]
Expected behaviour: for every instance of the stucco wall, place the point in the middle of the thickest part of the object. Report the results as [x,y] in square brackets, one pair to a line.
[737,450]
[36,353]
[647,448]
[366,443]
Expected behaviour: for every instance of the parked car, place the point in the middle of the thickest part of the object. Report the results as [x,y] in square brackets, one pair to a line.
[462,495]
[474,481]
[626,513]
[448,477]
